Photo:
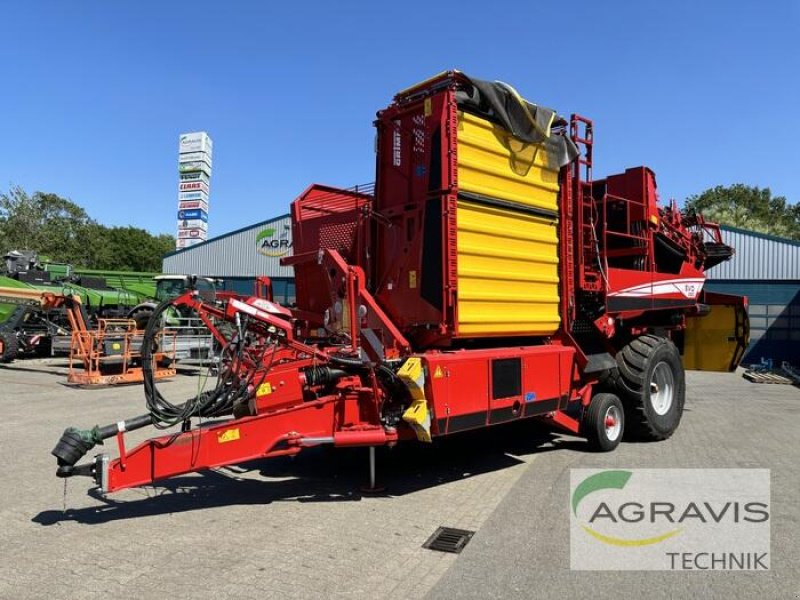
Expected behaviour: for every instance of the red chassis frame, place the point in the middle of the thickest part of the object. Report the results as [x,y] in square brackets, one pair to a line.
[340,418]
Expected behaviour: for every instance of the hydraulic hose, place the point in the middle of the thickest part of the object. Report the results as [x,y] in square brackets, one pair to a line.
[345,361]
[75,443]
[232,387]
[213,403]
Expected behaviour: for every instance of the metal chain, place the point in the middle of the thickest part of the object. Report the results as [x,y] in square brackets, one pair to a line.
[64,499]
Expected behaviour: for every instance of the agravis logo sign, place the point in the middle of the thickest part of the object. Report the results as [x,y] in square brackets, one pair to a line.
[631,512]
[274,241]
[670,519]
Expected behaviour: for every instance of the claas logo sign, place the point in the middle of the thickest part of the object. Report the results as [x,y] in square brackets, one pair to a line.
[274,241]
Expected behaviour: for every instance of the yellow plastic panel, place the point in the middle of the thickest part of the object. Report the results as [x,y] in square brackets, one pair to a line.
[507,272]
[493,163]
[710,343]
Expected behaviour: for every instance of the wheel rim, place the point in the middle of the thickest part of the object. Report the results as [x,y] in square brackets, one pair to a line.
[612,423]
[662,388]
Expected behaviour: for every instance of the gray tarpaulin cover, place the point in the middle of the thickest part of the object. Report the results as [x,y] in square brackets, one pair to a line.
[499,102]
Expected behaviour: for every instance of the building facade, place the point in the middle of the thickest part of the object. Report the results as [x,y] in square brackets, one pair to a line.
[766,269]
[240,256]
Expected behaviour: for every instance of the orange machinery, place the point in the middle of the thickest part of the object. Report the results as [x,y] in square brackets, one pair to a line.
[107,354]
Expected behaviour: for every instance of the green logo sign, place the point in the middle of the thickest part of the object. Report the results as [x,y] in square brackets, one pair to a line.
[274,241]
[607,480]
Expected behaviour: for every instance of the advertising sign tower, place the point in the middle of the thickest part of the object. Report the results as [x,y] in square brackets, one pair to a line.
[194,172]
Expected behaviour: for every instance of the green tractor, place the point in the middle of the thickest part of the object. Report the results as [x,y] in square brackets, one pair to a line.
[169,287]
[97,295]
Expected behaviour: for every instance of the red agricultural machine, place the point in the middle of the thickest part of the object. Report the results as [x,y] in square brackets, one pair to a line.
[486,278]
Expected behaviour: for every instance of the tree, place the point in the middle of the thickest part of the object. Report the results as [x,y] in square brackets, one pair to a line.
[130,249]
[61,230]
[750,208]
[45,223]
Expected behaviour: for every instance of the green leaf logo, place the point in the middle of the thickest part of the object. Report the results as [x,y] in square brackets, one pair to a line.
[265,234]
[615,480]
[600,481]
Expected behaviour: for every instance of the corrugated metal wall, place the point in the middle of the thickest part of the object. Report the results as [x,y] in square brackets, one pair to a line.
[766,269]
[774,310]
[758,257]
[255,250]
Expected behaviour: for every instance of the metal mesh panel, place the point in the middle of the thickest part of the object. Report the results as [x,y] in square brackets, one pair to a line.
[332,219]
[337,236]
[329,218]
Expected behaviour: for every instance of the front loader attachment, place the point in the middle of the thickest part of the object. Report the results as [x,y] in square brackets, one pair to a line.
[716,338]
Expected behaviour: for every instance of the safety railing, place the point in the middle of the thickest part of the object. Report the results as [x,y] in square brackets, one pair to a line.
[627,236]
[189,340]
[112,353]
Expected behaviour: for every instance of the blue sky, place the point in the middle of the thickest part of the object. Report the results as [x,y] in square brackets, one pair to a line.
[94,94]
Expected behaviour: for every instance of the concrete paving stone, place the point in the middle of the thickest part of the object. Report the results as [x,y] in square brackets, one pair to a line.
[300,528]
[728,423]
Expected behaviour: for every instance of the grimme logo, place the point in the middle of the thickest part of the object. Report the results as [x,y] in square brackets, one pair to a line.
[670,519]
[274,242]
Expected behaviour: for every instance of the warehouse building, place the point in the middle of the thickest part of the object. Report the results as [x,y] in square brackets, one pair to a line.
[765,268]
[240,256]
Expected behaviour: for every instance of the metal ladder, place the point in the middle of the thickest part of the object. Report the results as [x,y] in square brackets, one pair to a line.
[590,276]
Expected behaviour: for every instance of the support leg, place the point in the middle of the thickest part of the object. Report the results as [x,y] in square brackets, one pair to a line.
[372,487]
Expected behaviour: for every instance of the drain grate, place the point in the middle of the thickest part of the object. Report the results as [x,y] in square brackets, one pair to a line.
[448,539]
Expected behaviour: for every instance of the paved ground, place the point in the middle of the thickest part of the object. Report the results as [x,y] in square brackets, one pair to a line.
[299,528]
[728,423]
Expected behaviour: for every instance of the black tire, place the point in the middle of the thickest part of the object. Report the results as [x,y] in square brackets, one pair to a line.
[604,435]
[10,346]
[652,386]
[142,317]
[45,347]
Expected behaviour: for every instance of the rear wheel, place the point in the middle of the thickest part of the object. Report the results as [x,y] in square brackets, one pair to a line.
[142,317]
[8,346]
[652,386]
[45,346]
[604,422]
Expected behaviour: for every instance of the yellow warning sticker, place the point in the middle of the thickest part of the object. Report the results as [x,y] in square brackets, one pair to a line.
[428,108]
[438,374]
[229,435]
[412,279]
[264,389]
